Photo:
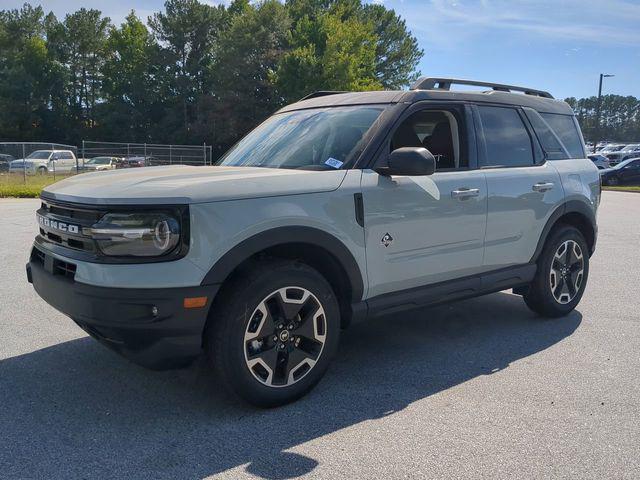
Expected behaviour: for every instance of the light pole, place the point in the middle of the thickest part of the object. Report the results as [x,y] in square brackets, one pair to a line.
[599,108]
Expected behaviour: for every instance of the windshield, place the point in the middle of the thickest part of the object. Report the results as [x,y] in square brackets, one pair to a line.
[99,161]
[39,154]
[624,163]
[315,139]
[631,148]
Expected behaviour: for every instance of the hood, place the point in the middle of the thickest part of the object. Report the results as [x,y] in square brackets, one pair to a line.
[29,161]
[181,184]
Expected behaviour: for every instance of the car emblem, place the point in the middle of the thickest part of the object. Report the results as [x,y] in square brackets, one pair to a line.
[57,225]
[387,239]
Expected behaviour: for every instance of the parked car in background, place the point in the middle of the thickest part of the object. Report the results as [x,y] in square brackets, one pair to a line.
[97,164]
[141,161]
[627,171]
[5,160]
[630,151]
[612,147]
[45,161]
[599,161]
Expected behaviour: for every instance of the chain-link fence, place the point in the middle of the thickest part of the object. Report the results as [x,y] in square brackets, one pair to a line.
[130,155]
[27,167]
[35,164]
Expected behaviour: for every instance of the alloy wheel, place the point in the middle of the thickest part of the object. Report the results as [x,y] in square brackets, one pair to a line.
[285,336]
[567,272]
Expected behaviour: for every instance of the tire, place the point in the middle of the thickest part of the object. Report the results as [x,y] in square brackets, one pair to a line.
[613,181]
[269,363]
[569,274]
[42,171]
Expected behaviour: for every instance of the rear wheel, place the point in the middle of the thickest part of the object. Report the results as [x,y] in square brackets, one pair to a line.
[274,332]
[563,268]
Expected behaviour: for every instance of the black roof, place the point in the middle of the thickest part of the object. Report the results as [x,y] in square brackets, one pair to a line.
[537,102]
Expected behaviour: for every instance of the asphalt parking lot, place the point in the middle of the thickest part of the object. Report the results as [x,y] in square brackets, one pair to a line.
[478,389]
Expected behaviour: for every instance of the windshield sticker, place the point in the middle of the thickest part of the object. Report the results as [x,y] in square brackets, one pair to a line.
[334,162]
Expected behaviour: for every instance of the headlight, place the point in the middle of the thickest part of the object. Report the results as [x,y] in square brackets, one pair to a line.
[145,234]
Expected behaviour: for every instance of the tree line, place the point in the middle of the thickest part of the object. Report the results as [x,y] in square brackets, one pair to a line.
[195,73]
[619,117]
[191,73]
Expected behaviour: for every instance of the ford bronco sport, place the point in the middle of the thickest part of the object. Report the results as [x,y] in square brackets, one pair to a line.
[340,207]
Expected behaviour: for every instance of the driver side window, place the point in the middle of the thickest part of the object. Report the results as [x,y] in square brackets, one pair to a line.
[436,130]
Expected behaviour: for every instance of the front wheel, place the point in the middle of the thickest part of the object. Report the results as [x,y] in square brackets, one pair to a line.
[563,269]
[613,181]
[274,332]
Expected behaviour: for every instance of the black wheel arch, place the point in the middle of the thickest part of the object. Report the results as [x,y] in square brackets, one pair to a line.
[334,258]
[575,213]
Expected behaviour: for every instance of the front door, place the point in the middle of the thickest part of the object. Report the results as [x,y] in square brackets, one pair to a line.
[421,230]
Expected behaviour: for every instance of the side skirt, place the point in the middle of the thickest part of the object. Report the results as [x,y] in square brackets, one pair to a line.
[444,292]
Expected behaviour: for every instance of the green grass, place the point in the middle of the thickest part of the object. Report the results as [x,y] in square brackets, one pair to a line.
[15,185]
[623,188]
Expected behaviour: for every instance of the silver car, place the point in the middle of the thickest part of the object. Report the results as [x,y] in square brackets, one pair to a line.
[339,208]
[43,162]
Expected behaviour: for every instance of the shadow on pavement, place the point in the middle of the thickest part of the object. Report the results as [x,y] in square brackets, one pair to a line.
[77,410]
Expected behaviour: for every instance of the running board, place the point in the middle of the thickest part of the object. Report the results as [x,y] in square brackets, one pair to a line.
[451,290]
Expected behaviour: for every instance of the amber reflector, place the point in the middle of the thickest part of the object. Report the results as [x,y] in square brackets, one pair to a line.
[195,302]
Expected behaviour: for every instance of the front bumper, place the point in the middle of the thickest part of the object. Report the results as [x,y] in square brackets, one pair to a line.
[124,319]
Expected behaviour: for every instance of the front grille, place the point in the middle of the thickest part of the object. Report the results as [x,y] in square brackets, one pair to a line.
[80,217]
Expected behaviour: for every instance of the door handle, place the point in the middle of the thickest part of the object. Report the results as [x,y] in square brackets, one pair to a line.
[542,186]
[465,193]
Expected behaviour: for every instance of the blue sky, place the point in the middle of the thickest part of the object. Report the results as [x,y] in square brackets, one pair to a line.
[556,45]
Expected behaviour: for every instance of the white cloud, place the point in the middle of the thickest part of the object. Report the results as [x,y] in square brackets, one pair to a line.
[448,22]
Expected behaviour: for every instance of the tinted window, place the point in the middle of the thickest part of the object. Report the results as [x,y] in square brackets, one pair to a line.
[507,140]
[565,128]
[436,130]
[551,144]
[65,155]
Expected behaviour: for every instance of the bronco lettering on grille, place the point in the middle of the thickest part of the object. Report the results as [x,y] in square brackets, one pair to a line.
[56,225]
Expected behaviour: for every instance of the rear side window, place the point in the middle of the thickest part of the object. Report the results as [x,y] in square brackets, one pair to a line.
[507,140]
[551,144]
[565,128]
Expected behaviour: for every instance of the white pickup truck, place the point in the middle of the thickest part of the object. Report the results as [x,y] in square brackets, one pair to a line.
[45,161]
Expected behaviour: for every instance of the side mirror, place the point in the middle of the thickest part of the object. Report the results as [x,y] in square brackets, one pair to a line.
[411,161]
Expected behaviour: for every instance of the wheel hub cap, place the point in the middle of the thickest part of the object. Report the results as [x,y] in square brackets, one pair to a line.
[285,337]
[567,272]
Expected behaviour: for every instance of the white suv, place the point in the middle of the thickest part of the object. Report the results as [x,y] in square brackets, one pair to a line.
[45,161]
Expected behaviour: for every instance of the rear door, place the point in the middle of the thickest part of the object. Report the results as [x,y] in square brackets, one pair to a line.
[523,189]
[67,161]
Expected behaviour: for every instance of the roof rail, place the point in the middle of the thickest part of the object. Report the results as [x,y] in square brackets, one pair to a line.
[428,83]
[321,93]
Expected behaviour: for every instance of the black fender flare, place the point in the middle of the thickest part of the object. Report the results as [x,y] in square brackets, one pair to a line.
[572,206]
[282,235]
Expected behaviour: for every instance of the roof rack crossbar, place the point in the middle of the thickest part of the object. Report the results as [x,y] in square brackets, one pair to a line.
[321,93]
[429,83]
